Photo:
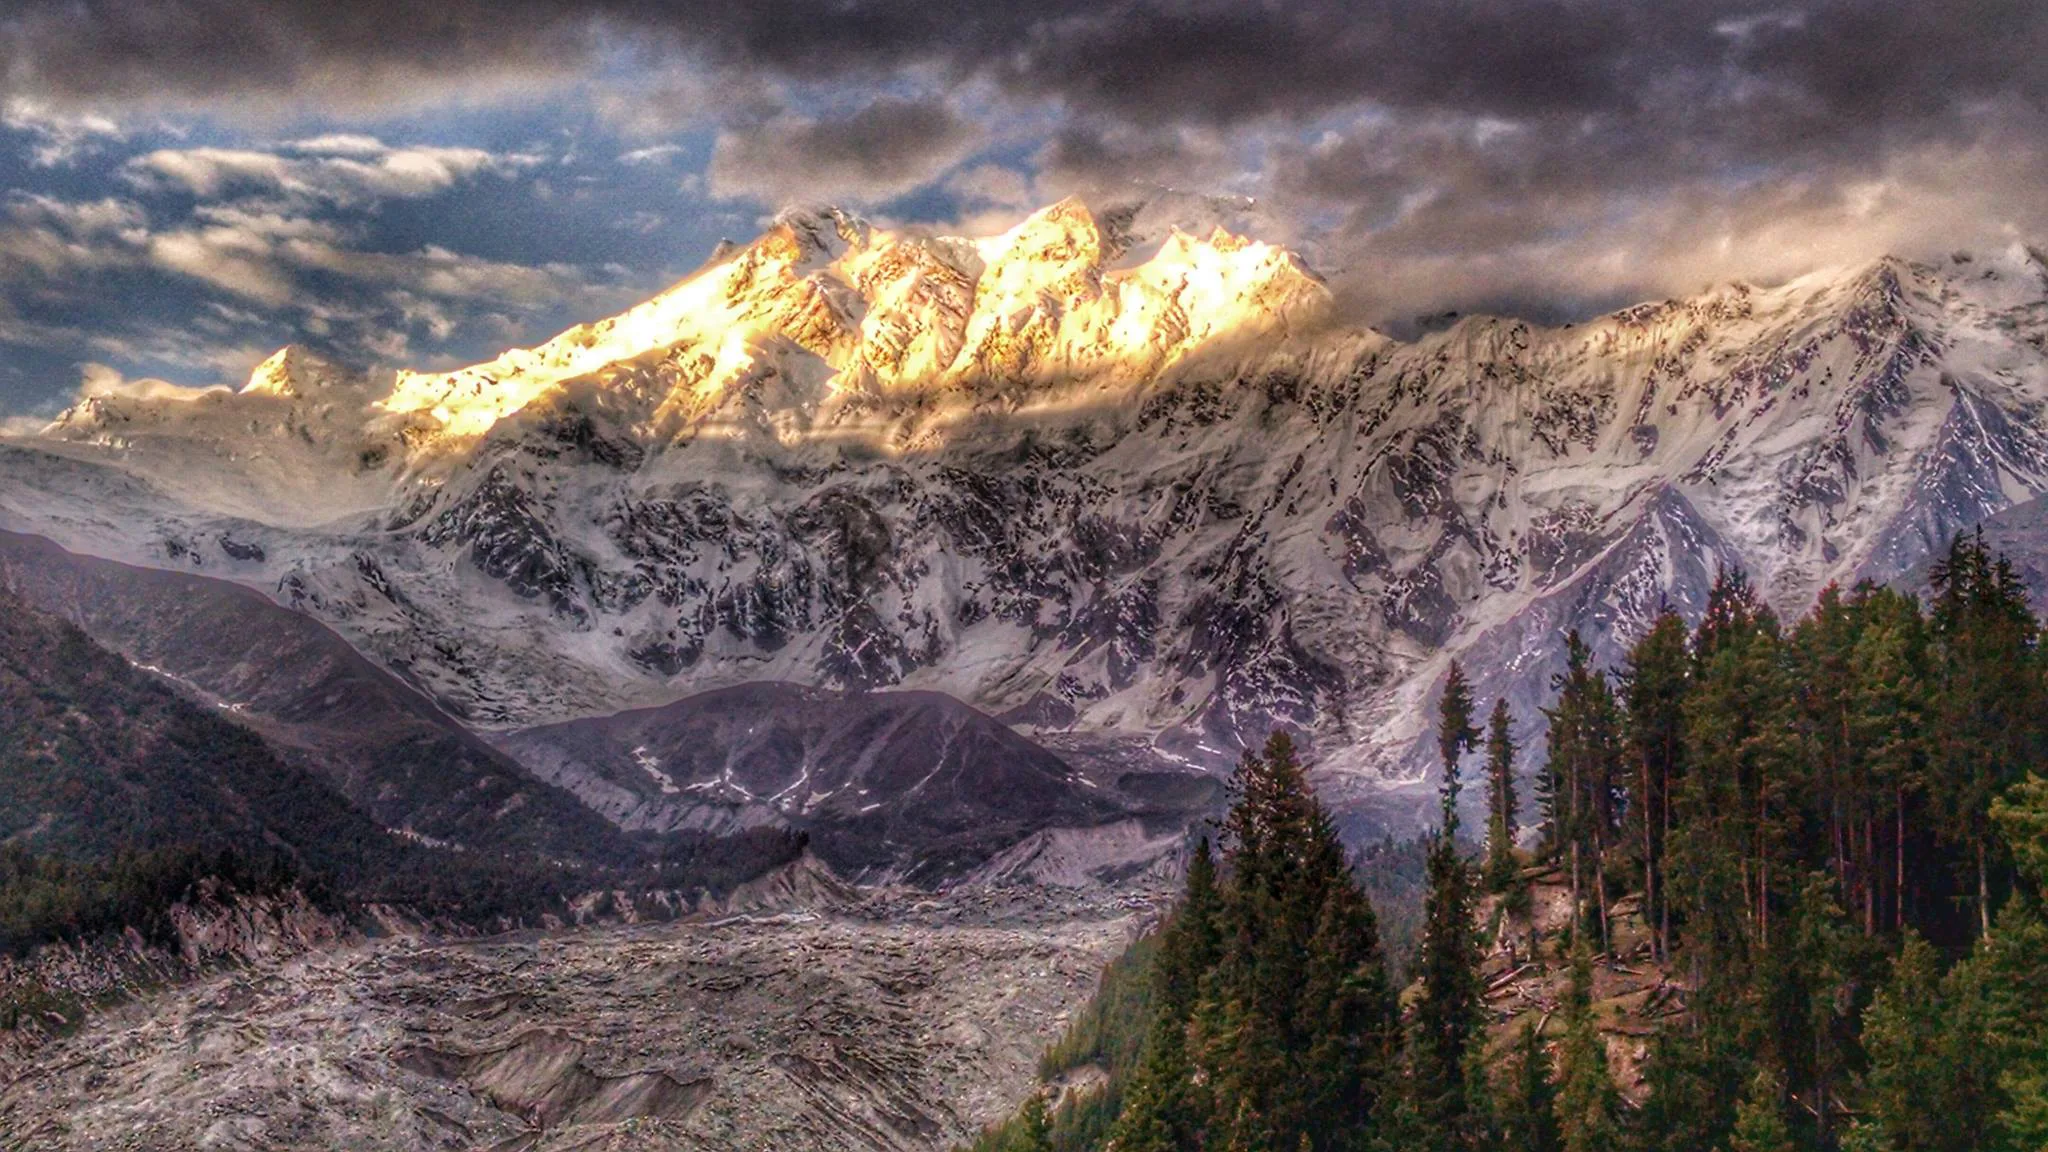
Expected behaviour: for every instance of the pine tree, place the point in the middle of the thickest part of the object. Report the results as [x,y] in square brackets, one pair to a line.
[1455,734]
[1586,1099]
[1653,694]
[2012,967]
[1164,1109]
[1694,1075]
[1740,794]
[1294,1027]
[1584,757]
[1988,696]
[1351,1029]
[1824,961]
[1528,1113]
[1888,716]
[1447,1013]
[1923,1091]
[1760,1118]
[1033,1132]
[1501,825]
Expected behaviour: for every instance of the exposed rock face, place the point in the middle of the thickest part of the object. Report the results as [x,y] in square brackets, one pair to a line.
[902,784]
[318,702]
[891,1024]
[1147,502]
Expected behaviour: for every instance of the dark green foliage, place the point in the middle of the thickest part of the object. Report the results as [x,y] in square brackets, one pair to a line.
[1448,1010]
[1760,1118]
[1580,777]
[1842,858]
[46,899]
[1501,820]
[1528,1096]
[1586,1099]
[1653,702]
[1985,731]
[1294,1030]
[1267,1019]
[1926,1090]
[1163,1108]
[2011,969]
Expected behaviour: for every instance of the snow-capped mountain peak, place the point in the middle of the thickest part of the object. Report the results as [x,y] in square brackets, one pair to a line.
[1144,497]
[861,314]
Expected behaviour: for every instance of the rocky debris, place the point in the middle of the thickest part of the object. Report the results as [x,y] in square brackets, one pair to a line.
[876,1020]
[1527,973]
[49,992]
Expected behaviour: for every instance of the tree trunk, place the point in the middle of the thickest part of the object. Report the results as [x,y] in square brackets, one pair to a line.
[1664,907]
[1899,860]
[1649,864]
[1983,891]
[1577,906]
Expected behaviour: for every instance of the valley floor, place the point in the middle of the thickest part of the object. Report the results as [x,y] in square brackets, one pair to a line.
[895,1021]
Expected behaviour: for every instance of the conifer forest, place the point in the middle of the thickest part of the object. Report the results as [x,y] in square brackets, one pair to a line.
[1817,848]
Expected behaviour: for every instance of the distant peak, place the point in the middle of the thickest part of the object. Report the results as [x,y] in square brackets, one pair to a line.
[820,231]
[1069,220]
[291,371]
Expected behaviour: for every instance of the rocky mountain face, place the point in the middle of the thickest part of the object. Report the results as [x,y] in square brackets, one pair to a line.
[1137,495]
[318,703]
[887,784]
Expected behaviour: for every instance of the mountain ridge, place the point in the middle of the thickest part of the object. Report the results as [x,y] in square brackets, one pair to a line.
[1279,521]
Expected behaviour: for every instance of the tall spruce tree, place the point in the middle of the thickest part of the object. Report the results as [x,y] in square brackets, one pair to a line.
[1888,713]
[1448,1009]
[1760,1118]
[1738,799]
[2012,972]
[1587,1102]
[1653,702]
[1583,763]
[1528,1095]
[1164,1109]
[1925,1090]
[1501,823]
[1988,695]
[1295,1026]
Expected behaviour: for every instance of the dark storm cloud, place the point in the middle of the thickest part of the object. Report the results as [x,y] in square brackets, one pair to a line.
[1440,147]
[878,150]
[1215,60]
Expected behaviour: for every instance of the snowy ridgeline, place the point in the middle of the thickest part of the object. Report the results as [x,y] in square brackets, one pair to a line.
[1095,483]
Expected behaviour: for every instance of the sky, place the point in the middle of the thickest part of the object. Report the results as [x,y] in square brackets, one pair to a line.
[191,184]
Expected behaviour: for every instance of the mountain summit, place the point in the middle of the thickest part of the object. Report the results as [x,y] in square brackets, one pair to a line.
[1144,501]
[842,317]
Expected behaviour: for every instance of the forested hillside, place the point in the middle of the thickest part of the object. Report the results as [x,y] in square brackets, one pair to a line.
[1829,841]
[119,793]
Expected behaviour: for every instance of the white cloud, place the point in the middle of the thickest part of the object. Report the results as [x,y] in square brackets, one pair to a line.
[349,171]
[96,379]
[341,144]
[654,154]
[49,239]
[60,138]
